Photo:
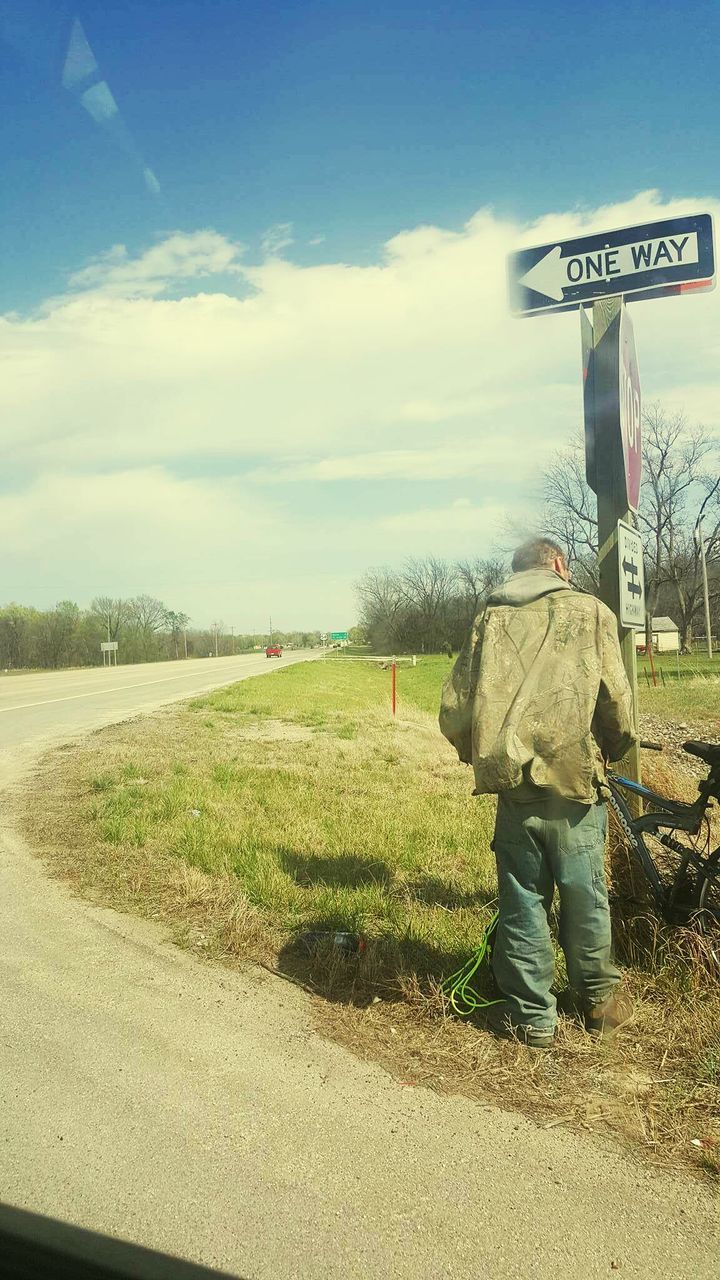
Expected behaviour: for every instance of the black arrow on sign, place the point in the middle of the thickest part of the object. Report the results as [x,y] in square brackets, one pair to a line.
[630,570]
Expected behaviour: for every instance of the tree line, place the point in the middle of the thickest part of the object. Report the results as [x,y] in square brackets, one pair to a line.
[143,627]
[428,604]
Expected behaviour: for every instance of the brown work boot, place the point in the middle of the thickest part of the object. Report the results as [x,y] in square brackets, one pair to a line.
[605,1018]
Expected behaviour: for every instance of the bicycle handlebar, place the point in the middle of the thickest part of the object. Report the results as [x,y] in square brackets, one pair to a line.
[652,746]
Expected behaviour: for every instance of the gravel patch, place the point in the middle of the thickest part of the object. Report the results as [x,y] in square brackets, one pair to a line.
[671,734]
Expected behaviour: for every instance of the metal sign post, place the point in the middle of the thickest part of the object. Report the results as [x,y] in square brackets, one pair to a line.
[616,410]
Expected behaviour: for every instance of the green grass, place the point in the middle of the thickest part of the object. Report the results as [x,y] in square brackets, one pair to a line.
[681,666]
[344,820]
[295,803]
[687,688]
[696,696]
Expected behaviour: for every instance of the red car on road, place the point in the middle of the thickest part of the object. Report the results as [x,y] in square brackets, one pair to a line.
[273,651]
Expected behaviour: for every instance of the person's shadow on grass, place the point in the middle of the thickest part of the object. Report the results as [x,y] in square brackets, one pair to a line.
[345,870]
[351,871]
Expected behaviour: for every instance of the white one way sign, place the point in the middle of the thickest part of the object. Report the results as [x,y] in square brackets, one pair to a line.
[661,257]
[553,274]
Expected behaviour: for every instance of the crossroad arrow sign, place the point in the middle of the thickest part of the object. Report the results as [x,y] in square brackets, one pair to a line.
[671,256]
[630,570]
[632,580]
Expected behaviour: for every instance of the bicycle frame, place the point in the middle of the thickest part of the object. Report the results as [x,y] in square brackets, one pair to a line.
[671,815]
[684,817]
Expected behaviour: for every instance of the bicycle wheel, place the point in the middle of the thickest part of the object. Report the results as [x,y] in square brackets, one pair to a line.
[641,860]
[665,858]
[708,913]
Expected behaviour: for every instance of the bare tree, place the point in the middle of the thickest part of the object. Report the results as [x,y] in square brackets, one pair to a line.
[112,612]
[426,605]
[381,601]
[571,514]
[675,458]
[675,475]
[148,618]
[56,634]
[478,578]
[176,623]
[18,625]
[428,587]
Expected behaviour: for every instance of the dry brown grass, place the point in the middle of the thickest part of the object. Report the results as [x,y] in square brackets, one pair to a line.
[342,819]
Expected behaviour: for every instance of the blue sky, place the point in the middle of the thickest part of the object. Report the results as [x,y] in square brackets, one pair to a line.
[289,144]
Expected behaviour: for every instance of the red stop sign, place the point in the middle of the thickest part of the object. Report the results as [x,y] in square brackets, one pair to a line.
[630,410]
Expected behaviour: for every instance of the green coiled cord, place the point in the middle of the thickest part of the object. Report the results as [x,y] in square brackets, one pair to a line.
[462,995]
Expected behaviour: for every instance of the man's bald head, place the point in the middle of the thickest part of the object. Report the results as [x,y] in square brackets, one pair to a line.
[541,553]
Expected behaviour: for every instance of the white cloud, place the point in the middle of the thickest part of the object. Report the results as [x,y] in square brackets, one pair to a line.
[448,461]
[151,181]
[276,238]
[408,370]
[132,521]
[179,258]
[461,517]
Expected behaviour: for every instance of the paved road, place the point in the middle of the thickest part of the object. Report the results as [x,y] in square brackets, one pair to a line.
[39,710]
[169,1101]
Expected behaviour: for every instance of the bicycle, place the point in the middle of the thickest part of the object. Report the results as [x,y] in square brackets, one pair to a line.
[683,874]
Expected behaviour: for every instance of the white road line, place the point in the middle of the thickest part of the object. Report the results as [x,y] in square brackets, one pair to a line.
[94,693]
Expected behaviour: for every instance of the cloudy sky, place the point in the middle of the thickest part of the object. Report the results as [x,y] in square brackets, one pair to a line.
[254,331]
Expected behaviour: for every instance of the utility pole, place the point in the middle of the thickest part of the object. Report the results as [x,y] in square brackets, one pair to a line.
[703,561]
[611,486]
[701,544]
[185,635]
[271,633]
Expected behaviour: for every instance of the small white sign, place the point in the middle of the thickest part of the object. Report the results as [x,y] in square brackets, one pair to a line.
[632,577]
[109,646]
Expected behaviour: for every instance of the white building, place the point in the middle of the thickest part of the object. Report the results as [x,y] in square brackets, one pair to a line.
[665,636]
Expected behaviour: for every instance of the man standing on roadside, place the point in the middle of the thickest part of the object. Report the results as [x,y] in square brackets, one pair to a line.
[536,702]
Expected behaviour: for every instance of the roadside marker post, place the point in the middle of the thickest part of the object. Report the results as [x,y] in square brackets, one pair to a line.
[706,596]
[661,259]
[394,687]
[109,650]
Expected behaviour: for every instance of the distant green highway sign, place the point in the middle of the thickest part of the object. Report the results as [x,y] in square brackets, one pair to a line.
[338,635]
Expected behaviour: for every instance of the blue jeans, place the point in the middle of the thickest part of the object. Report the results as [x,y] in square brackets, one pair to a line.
[538,846]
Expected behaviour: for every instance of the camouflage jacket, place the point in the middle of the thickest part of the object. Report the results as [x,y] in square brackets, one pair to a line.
[538,695]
